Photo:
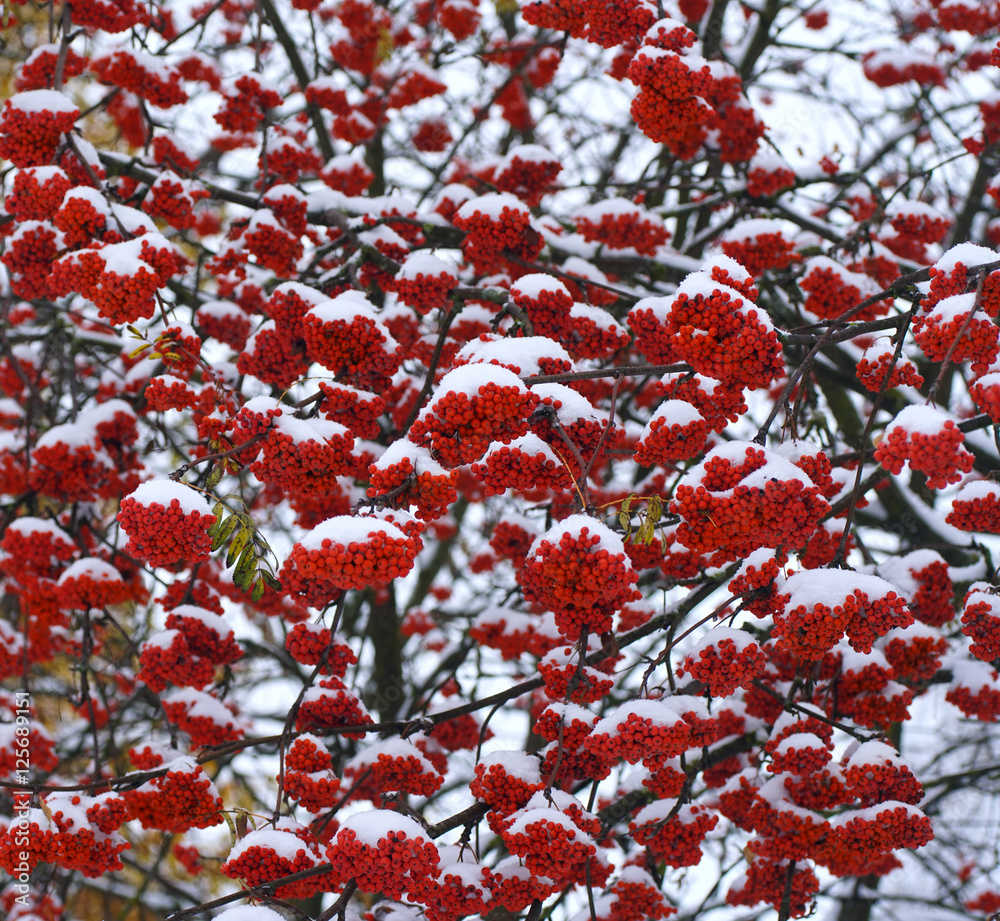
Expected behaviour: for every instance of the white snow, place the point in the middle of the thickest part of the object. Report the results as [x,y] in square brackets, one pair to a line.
[343,530]
[163,491]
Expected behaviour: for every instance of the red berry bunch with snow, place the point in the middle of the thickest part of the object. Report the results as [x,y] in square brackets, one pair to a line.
[675,432]
[618,223]
[832,290]
[309,779]
[32,124]
[708,325]
[344,336]
[759,244]
[167,522]
[673,833]
[473,406]
[952,328]
[640,730]
[331,703]
[495,224]
[182,798]
[976,507]
[528,171]
[981,621]
[424,282]
[409,477]
[768,174]
[579,570]
[818,606]
[546,301]
[877,369]
[743,497]
[382,851]
[931,443]
[552,834]
[347,552]
[267,854]
[724,660]
[206,719]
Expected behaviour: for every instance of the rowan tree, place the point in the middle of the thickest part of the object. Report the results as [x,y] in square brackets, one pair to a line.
[494,459]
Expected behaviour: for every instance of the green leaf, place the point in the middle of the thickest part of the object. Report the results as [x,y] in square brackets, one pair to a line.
[224,530]
[258,591]
[627,505]
[136,352]
[247,560]
[214,477]
[270,580]
[237,546]
[242,580]
[655,509]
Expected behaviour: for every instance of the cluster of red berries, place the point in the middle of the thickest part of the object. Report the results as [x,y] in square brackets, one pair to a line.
[558,15]
[951,328]
[181,799]
[309,779]
[833,290]
[976,507]
[637,731]
[528,171]
[495,224]
[424,282]
[148,77]
[246,104]
[37,193]
[759,245]
[547,302]
[719,404]
[918,220]
[768,881]
[470,410]
[267,854]
[743,497]
[344,336]
[930,441]
[565,680]
[32,124]
[673,835]
[304,458]
[552,836]
[347,552]
[579,570]
[981,622]
[414,479]
[314,644]
[527,463]
[166,522]
[877,364]
[922,576]
[620,224]
[676,432]
[725,660]
[707,325]
[29,256]
[818,606]
[331,703]
[766,177]
[172,199]
[382,851]
[888,69]
[206,719]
